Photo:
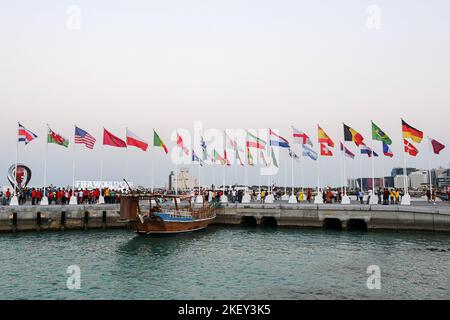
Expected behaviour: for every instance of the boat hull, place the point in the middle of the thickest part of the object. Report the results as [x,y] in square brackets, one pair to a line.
[170,227]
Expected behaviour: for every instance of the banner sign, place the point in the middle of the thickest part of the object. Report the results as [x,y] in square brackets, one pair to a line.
[116,185]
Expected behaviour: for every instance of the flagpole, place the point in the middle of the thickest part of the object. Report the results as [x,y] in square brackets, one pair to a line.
[101,198]
[360,173]
[429,166]
[44,200]
[153,159]
[373,200]
[126,156]
[73,199]
[406,199]
[15,199]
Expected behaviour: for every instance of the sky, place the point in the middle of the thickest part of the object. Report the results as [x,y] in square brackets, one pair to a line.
[229,64]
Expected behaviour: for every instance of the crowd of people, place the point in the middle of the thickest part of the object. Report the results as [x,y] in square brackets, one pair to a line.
[61,196]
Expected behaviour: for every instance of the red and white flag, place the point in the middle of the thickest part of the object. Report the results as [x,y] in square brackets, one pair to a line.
[135,141]
[180,144]
[410,148]
[111,140]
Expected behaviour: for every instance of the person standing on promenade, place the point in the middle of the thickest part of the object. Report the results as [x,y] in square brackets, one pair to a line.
[379,195]
[397,197]
[300,196]
[428,195]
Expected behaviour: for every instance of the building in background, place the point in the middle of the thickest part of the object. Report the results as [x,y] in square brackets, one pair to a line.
[419,179]
[440,177]
[183,181]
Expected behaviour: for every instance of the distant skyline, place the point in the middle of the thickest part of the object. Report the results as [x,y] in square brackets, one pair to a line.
[230,64]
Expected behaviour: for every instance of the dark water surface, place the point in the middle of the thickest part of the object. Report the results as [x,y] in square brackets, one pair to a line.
[225,263]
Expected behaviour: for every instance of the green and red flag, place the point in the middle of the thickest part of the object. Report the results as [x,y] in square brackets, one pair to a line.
[157,142]
[218,157]
[56,138]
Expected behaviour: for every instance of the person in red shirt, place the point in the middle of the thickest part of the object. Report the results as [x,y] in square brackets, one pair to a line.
[33,196]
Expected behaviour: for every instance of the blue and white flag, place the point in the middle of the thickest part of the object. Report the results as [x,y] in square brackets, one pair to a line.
[366,150]
[277,140]
[195,158]
[308,152]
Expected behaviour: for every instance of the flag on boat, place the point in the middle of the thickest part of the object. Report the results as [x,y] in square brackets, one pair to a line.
[255,142]
[250,161]
[134,141]
[387,151]
[274,158]
[410,148]
[308,152]
[323,138]
[25,135]
[380,135]
[347,152]
[412,133]
[111,140]
[276,140]
[301,137]
[180,144]
[56,138]
[351,134]
[325,151]
[195,158]
[157,142]
[83,137]
[436,145]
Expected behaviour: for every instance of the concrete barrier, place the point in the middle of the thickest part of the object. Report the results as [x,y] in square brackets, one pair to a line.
[376,217]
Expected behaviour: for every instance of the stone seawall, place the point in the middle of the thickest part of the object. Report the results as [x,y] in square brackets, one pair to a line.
[397,218]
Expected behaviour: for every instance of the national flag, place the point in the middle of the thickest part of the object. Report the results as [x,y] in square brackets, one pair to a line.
[323,138]
[255,142]
[204,148]
[387,151]
[157,142]
[412,133]
[56,138]
[232,143]
[238,157]
[226,158]
[436,145]
[308,152]
[301,137]
[218,157]
[293,155]
[347,152]
[325,151]
[180,144]
[380,135]
[276,140]
[410,148]
[135,141]
[25,135]
[82,137]
[250,161]
[367,150]
[351,134]
[195,158]
[274,158]
[111,140]
[263,158]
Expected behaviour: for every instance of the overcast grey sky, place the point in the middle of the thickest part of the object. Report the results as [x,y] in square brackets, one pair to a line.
[229,64]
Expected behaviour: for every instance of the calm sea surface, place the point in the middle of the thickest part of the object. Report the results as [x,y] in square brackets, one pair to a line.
[225,263]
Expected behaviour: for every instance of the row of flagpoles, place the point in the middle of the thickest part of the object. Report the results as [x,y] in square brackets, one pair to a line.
[410,135]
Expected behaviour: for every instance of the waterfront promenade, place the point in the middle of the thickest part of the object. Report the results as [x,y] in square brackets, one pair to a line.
[420,216]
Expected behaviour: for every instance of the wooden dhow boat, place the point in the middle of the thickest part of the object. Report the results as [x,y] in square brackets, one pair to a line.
[170,218]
